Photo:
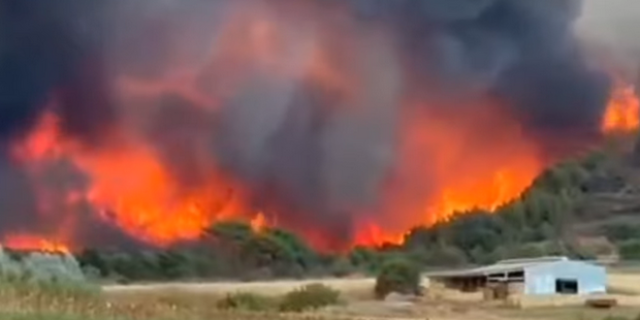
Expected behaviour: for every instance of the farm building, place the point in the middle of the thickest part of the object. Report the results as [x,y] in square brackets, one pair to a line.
[542,276]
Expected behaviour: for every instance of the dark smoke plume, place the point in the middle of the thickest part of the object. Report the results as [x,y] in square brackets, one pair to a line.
[46,48]
[521,51]
[307,159]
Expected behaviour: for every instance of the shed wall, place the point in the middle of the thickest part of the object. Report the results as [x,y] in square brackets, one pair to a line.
[541,279]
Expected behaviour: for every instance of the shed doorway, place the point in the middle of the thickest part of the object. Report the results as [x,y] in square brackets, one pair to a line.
[566,286]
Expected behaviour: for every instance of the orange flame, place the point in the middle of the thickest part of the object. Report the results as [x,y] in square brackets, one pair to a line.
[258,223]
[463,177]
[135,191]
[449,162]
[461,170]
[623,110]
[370,234]
[131,188]
[26,242]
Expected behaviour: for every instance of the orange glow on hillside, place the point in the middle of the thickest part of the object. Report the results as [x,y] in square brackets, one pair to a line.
[26,242]
[498,169]
[444,159]
[135,191]
[132,189]
[623,111]
[370,235]
[258,223]
[462,170]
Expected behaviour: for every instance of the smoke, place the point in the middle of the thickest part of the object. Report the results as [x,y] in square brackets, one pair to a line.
[454,51]
[612,24]
[607,28]
[302,101]
[521,51]
[46,49]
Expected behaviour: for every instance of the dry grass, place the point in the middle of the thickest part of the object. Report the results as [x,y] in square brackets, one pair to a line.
[449,305]
[354,287]
[625,282]
[566,313]
[15,304]
[198,302]
[19,300]
[32,303]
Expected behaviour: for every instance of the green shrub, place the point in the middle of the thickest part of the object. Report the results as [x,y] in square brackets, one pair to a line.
[309,297]
[398,275]
[44,275]
[341,267]
[246,301]
[629,250]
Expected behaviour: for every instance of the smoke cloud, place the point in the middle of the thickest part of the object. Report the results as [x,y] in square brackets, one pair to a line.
[302,101]
[610,23]
[607,28]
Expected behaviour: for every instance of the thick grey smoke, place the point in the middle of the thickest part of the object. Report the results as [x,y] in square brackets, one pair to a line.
[314,143]
[608,28]
[612,24]
[521,51]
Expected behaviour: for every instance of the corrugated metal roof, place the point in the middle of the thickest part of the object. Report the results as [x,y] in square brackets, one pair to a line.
[504,266]
[532,260]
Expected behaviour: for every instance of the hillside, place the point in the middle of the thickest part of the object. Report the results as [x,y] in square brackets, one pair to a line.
[586,207]
[610,208]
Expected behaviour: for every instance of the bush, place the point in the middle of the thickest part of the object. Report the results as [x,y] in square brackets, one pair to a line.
[341,267]
[629,250]
[245,301]
[309,297]
[38,266]
[47,267]
[44,275]
[398,275]
[619,232]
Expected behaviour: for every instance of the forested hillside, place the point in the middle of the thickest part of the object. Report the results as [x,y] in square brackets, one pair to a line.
[585,208]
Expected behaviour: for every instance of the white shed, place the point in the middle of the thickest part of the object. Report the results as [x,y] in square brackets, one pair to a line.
[541,276]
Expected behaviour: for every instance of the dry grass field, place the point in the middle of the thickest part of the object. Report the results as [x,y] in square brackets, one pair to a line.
[625,282]
[198,301]
[347,286]
[359,303]
[359,288]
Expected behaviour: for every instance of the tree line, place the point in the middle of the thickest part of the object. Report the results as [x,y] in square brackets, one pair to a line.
[538,223]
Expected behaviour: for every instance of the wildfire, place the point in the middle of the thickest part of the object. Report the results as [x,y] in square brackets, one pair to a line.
[461,170]
[460,177]
[132,189]
[26,242]
[258,223]
[450,160]
[371,234]
[623,111]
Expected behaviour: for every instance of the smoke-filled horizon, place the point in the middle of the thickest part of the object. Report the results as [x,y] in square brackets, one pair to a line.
[324,116]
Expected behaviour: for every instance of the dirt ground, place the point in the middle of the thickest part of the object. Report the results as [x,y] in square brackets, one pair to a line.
[624,286]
